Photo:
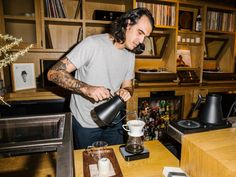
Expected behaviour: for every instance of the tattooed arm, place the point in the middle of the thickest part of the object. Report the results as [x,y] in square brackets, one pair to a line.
[60,74]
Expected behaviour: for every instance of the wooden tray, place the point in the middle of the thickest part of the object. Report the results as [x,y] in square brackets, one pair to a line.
[91,157]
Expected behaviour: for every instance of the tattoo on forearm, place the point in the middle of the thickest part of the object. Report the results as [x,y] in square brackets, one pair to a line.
[61,77]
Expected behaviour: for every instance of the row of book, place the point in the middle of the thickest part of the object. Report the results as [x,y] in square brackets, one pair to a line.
[55,9]
[220,21]
[163,14]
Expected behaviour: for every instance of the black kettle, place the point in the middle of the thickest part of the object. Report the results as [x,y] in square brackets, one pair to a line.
[105,113]
[211,112]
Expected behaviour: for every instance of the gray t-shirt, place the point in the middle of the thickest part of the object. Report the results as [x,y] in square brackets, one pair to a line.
[98,63]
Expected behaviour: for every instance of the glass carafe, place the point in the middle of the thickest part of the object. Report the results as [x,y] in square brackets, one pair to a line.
[134,145]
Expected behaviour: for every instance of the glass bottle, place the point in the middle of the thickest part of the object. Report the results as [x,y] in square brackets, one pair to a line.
[198,24]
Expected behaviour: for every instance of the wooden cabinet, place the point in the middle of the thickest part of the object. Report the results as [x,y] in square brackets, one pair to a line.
[52,36]
[21,21]
[76,27]
[210,49]
[190,42]
[165,16]
[203,155]
[32,21]
[219,36]
[175,18]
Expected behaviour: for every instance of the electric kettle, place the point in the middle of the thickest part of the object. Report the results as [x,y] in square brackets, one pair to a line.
[212,110]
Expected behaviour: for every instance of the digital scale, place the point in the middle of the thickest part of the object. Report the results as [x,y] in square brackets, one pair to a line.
[129,157]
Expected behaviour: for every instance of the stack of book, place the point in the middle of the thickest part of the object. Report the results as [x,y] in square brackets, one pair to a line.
[55,9]
[162,13]
[220,21]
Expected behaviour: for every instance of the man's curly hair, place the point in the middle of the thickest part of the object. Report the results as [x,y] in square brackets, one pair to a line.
[118,27]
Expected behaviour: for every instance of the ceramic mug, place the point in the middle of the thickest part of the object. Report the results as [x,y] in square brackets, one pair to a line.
[104,165]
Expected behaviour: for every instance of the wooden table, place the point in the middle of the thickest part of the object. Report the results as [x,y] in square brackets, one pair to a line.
[43,165]
[210,154]
[150,167]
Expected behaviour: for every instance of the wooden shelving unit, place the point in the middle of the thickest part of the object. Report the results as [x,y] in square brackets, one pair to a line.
[29,21]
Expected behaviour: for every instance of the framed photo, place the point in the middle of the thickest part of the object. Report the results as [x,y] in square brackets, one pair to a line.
[23,76]
[186,20]
[184,58]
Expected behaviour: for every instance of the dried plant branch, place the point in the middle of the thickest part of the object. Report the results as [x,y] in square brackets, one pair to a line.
[7,42]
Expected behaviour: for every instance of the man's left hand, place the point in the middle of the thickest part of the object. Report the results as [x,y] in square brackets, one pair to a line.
[124,94]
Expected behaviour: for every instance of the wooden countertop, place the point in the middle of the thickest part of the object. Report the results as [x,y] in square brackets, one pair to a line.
[43,165]
[37,94]
[210,153]
[150,167]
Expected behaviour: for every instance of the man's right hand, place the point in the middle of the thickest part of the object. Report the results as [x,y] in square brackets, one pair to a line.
[98,93]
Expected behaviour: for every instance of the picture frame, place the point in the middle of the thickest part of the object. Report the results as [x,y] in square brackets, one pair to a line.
[23,76]
[186,19]
[184,58]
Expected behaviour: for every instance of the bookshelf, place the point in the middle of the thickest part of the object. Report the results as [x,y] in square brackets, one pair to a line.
[16,19]
[164,13]
[53,36]
[220,26]
[190,39]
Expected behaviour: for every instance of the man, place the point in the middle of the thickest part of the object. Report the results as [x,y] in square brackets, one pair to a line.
[24,75]
[104,65]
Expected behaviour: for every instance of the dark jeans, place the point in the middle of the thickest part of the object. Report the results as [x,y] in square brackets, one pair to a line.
[84,137]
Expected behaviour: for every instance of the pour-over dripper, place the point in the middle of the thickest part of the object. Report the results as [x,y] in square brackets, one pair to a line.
[134,128]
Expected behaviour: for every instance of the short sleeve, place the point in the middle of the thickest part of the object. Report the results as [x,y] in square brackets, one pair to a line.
[82,53]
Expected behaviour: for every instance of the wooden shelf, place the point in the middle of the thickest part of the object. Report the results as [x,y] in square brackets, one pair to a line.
[24,18]
[165,27]
[102,22]
[38,25]
[34,94]
[220,32]
[62,20]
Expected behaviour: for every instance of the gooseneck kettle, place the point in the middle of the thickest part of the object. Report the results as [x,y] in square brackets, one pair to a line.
[105,113]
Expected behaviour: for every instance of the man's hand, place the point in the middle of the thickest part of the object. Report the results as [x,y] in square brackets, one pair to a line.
[124,94]
[98,93]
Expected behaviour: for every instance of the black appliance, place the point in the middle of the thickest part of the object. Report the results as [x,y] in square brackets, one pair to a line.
[211,118]
[177,128]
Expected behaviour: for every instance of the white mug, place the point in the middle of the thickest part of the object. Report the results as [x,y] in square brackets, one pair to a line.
[104,165]
[134,127]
